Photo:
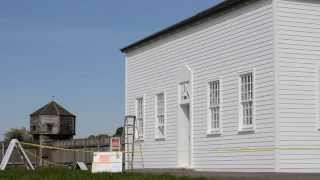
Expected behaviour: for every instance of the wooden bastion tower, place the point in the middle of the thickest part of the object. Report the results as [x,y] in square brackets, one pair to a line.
[51,123]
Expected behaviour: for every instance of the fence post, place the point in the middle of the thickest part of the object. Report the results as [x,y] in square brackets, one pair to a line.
[98,139]
[74,157]
[35,158]
[2,150]
[40,152]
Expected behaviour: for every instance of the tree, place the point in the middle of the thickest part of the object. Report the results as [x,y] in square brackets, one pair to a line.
[21,134]
[102,136]
[118,132]
[91,137]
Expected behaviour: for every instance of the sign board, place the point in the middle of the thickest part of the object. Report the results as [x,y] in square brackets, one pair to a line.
[107,162]
[115,144]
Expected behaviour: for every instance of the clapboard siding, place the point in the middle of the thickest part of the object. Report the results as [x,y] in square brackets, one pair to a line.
[234,41]
[298,57]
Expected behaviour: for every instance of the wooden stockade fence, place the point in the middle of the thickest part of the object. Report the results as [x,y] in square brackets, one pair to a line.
[81,151]
[83,145]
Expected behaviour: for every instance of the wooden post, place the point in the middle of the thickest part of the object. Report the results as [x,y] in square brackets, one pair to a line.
[2,150]
[74,157]
[40,152]
[35,158]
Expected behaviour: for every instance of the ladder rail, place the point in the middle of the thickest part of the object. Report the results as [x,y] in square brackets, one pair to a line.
[133,141]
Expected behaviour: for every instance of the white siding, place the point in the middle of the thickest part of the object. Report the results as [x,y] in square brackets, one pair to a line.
[224,46]
[298,59]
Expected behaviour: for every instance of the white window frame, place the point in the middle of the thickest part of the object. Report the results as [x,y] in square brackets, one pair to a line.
[242,126]
[210,129]
[137,134]
[157,126]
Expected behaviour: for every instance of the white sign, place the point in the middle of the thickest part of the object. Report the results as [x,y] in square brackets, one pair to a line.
[115,144]
[107,162]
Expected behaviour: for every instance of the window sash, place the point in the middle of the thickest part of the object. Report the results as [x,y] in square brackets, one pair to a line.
[214,93]
[140,128]
[215,118]
[246,87]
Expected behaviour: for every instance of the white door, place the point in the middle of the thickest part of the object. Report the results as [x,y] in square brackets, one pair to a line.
[184,137]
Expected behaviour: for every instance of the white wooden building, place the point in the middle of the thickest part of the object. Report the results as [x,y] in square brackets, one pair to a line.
[233,88]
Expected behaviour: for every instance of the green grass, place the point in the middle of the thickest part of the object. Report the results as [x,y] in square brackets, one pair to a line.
[64,174]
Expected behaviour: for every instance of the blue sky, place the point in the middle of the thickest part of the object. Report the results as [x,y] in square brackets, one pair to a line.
[70,50]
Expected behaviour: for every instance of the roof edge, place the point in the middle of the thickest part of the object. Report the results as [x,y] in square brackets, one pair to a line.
[203,14]
[56,106]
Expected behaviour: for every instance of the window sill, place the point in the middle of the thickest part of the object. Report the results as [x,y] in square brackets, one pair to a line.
[139,140]
[249,129]
[214,133]
[160,139]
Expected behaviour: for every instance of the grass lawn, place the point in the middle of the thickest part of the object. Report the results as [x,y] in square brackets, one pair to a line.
[64,174]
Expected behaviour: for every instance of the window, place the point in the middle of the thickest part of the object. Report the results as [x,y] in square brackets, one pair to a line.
[246,101]
[140,118]
[49,127]
[184,92]
[214,107]
[160,115]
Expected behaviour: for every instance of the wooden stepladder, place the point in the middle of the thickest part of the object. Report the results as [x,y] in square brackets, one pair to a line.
[14,143]
[133,155]
[129,131]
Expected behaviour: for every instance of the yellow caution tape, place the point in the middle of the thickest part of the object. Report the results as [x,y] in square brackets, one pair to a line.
[56,148]
[65,149]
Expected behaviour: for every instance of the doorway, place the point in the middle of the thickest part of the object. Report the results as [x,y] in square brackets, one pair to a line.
[184,136]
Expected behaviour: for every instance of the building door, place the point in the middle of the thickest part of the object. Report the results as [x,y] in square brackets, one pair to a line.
[184,137]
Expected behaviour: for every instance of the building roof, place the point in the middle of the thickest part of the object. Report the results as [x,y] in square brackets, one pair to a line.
[52,108]
[204,14]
